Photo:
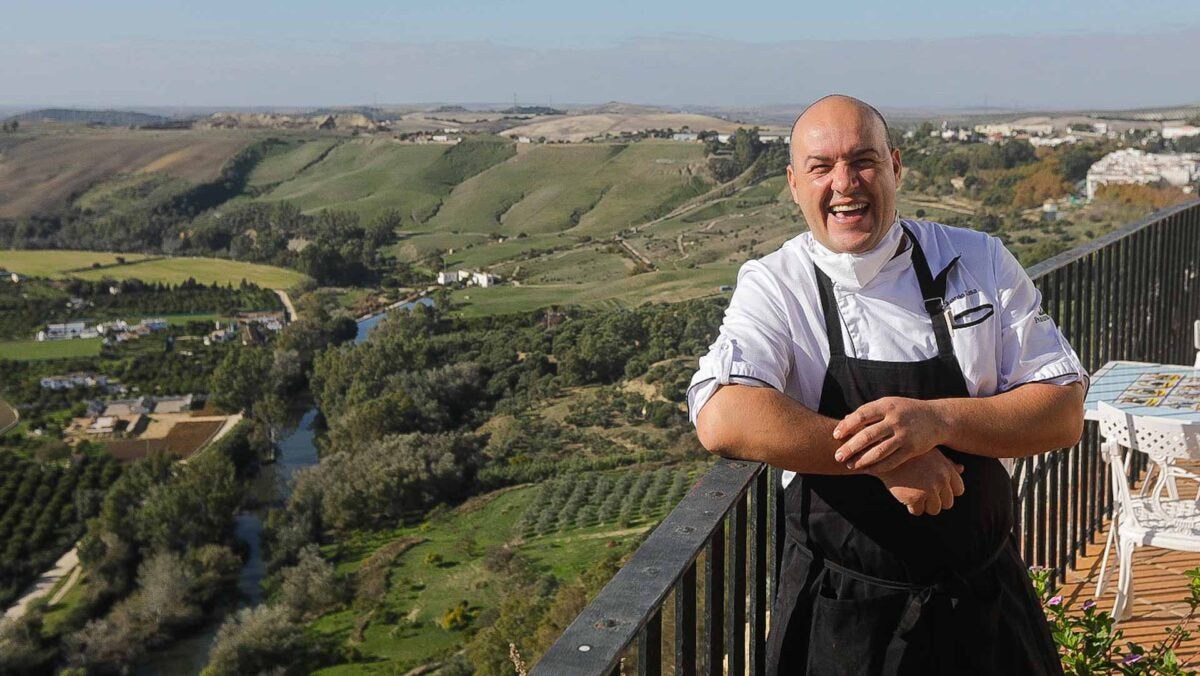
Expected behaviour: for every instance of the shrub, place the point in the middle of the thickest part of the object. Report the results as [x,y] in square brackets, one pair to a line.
[457,618]
[1089,644]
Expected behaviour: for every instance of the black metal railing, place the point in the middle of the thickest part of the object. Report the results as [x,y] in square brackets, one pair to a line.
[701,582]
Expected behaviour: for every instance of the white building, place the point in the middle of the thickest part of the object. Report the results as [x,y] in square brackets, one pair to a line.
[1174,131]
[1053,141]
[73,380]
[483,279]
[1134,166]
[686,137]
[62,331]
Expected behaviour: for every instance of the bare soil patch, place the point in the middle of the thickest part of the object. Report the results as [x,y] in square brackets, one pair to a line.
[46,172]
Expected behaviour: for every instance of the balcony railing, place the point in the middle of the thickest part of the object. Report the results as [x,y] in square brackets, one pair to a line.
[694,597]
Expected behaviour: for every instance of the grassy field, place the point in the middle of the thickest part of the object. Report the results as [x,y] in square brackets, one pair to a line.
[665,286]
[47,169]
[58,263]
[165,270]
[203,270]
[32,350]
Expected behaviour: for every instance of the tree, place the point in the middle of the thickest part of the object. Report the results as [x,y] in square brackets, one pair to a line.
[195,509]
[270,413]
[242,377]
[391,478]
[259,640]
[311,588]
[23,648]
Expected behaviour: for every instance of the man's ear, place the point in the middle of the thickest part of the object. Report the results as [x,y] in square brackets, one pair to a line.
[897,167]
[791,180]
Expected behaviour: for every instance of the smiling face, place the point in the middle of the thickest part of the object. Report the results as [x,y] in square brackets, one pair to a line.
[843,176]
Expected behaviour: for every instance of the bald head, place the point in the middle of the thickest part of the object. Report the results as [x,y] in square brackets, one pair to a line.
[844,174]
[838,104]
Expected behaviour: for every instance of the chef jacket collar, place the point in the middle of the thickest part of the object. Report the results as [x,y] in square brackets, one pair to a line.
[854,271]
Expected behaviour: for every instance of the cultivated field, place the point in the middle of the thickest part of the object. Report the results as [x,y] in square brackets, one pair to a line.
[45,171]
[184,439]
[147,269]
[31,350]
[580,127]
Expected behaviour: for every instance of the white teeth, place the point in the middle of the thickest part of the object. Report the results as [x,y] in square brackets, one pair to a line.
[847,207]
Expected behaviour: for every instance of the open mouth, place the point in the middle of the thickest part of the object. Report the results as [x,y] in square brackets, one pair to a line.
[849,211]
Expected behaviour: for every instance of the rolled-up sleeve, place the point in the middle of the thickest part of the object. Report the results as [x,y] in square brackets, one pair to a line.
[753,347]
[1032,347]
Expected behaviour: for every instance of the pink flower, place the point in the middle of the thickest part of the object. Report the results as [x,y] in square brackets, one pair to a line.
[1132,658]
[1056,601]
[1089,604]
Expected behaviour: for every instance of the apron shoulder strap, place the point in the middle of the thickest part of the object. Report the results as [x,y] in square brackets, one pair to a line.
[833,320]
[933,291]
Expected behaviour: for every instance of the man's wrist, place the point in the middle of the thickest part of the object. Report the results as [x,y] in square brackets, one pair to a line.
[944,416]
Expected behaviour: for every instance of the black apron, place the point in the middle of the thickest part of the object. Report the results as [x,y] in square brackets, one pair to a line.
[867,588]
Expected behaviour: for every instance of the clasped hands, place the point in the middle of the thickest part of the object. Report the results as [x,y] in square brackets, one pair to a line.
[895,439]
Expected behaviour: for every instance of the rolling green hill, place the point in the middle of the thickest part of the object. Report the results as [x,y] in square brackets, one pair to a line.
[593,190]
[372,176]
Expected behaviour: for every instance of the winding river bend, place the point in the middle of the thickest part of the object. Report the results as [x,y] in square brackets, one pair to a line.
[297,450]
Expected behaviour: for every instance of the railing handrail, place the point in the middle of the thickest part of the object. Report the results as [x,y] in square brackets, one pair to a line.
[1043,268]
[606,626]
[630,605]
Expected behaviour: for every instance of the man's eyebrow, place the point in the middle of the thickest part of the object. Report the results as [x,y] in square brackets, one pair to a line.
[857,152]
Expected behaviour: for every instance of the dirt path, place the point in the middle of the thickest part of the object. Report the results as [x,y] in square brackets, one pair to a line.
[287,303]
[64,566]
[76,573]
[9,417]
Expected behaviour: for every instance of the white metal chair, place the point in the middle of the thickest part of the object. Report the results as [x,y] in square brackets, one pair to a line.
[1157,517]
[1196,341]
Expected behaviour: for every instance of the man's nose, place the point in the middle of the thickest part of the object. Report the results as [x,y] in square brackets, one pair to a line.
[845,178]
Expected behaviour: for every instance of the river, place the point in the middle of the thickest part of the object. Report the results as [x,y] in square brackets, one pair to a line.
[297,450]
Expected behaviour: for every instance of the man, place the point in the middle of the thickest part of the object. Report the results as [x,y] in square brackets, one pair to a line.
[888,366]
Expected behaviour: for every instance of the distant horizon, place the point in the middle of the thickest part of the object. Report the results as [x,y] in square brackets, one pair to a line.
[183,111]
[1022,56]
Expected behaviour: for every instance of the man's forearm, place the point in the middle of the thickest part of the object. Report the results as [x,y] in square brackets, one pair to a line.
[762,424]
[1031,419]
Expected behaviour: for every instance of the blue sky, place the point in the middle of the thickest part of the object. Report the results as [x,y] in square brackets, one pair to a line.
[221,52]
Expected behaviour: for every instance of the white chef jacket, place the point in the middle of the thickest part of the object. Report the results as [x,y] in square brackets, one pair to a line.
[773,333]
